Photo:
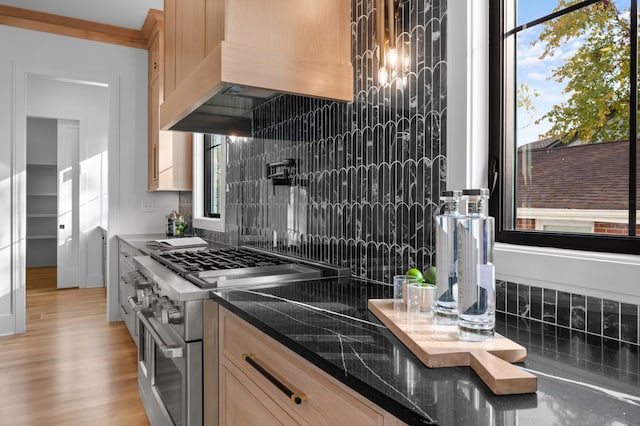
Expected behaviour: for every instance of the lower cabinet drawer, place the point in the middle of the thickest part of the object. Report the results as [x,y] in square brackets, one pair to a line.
[322,399]
[128,315]
[243,403]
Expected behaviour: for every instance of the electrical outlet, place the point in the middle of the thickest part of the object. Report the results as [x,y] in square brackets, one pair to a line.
[148,206]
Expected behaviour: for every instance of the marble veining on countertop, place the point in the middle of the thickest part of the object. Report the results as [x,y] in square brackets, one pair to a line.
[328,323]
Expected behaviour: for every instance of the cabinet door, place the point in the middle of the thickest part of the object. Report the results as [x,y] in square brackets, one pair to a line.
[154,116]
[174,161]
[243,403]
[169,58]
[154,58]
[327,401]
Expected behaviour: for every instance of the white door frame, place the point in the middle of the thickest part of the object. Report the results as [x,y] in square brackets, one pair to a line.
[16,322]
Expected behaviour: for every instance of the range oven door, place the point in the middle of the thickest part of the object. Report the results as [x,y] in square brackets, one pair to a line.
[169,374]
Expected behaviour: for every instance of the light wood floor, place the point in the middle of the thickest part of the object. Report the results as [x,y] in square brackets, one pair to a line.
[71,367]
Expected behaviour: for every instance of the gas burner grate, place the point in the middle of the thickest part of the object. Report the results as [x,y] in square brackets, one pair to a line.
[216,259]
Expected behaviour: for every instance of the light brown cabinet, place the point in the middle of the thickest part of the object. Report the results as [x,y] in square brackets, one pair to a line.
[243,403]
[245,391]
[169,153]
[279,46]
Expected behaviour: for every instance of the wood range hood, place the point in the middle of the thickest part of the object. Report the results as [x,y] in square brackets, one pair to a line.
[225,58]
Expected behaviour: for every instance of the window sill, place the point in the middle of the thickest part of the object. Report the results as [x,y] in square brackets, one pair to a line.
[210,224]
[607,275]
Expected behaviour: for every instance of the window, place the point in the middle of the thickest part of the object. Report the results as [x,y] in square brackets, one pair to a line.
[209,168]
[563,123]
[212,176]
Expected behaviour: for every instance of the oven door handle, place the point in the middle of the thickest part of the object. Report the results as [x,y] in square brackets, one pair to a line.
[169,351]
[134,305]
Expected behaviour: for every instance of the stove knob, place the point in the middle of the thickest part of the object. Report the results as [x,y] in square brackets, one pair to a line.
[141,293]
[132,276]
[143,282]
[171,315]
[139,280]
[165,302]
[149,299]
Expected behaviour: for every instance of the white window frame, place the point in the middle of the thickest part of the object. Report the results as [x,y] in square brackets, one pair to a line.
[607,275]
[199,219]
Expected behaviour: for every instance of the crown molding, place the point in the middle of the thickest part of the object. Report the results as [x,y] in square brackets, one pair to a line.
[72,27]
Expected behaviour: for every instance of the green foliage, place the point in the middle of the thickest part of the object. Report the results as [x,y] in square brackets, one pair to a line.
[596,73]
[525,93]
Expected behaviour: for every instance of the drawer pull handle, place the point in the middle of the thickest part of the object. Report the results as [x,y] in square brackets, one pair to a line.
[296,398]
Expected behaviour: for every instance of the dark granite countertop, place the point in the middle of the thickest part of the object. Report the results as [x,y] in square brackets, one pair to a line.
[581,381]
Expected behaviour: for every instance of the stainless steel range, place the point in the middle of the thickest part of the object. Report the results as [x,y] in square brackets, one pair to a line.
[170,288]
[212,268]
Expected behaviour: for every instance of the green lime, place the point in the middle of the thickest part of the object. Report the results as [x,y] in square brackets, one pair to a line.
[415,272]
[430,275]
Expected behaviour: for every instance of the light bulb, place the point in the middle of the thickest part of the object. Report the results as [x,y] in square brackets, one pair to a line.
[392,57]
[383,76]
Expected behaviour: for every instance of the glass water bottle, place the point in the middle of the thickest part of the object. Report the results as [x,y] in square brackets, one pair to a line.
[476,272]
[446,300]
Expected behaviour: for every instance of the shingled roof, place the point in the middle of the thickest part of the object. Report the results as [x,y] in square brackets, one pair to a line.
[583,176]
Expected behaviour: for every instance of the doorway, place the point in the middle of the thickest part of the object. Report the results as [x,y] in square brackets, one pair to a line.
[53,200]
[67,132]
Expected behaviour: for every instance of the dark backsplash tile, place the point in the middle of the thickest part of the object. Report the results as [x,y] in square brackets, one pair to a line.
[549,306]
[501,292]
[611,318]
[368,172]
[584,320]
[536,303]
[512,298]
[578,312]
[629,323]
[594,315]
[524,305]
[563,310]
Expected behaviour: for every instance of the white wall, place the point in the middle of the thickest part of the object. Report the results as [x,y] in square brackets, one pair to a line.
[124,71]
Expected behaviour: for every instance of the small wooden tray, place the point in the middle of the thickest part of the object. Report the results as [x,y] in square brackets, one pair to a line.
[439,346]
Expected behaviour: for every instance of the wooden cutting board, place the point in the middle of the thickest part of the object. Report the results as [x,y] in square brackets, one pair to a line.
[438,346]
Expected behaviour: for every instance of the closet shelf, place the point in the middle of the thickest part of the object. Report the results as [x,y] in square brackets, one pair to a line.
[41,237]
[43,165]
[42,194]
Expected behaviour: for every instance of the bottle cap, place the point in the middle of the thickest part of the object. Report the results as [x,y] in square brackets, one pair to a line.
[453,193]
[482,192]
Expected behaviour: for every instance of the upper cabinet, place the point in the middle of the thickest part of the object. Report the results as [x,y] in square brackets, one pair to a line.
[169,165]
[223,58]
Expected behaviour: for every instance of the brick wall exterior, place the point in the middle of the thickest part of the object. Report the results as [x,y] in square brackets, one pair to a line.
[612,228]
[526,224]
[598,227]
